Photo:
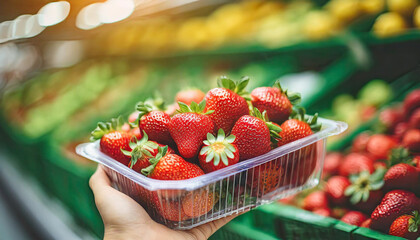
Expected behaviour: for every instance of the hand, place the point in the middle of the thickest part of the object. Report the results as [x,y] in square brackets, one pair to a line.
[124,218]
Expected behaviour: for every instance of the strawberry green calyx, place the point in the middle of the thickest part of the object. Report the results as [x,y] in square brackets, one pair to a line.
[106,127]
[151,104]
[235,86]
[154,161]
[274,128]
[218,148]
[294,97]
[400,155]
[299,113]
[414,223]
[363,183]
[194,108]
[140,148]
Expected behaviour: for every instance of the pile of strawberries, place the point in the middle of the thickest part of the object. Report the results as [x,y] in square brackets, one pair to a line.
[203,133]
[377,184]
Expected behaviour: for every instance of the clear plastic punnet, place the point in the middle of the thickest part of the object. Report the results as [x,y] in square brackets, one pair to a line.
[185,204]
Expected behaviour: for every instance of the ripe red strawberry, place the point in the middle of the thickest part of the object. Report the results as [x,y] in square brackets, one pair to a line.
[335,188]
[326,212]
[400,130]
[332,163]
[169,209]
[365,190]
[189,128]
[254,135]
[227,103]
[366,223]
[402,176]
[218,152]
[315,200]
[411,140]
[155,123]
[298,127]
[406,226]
[140,152]
[360,142]
[133,117]
[379,146]
[300,164]
[395,203]
[275,101]
[354,218]
[265,178]
[190,95]
[414,121]
[113,139]
[354,163]
[411,102]
[171,167]
[197,203]
[390,117]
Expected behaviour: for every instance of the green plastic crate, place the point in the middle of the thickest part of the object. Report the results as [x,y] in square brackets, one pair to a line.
[288,222]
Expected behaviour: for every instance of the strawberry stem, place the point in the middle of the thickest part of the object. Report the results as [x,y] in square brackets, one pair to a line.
[414,223]
[273,128]
[218,148]
[194,108]
[293,97]
[363,183]
[154,161]
[400,155]
[140,148]
[235,86]
[103,128]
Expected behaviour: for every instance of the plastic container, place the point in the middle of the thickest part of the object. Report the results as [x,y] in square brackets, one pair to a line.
[238,188]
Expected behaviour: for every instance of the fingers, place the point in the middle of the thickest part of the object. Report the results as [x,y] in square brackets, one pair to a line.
[99,179]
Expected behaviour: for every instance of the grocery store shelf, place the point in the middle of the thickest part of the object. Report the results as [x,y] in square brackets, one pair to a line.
[35,213]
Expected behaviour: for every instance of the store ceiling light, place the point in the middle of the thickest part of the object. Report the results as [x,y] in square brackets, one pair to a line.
[115,10]
[53,13]
[88,17]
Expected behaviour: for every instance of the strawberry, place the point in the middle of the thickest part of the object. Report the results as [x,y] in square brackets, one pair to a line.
[411,140]
[400,130]
[113,139]
[189,128]
[402,176]
[335,188]
[360,142]
[275,101]
[389,118]
[171,167]
[331,163]
[132,118]
[197,203]
[395,203]
[265,178]
[218,152]
[326,212]
[227,103]
[354,163]
[298,127]
[354,218]
[315,200]
[155,123]
[366,223]
[365,190]
[380,145]
[411,102]
[140,153]
[169,209]
[414,121]
[300,164]
[190,95]
[254,135]
[406,226]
